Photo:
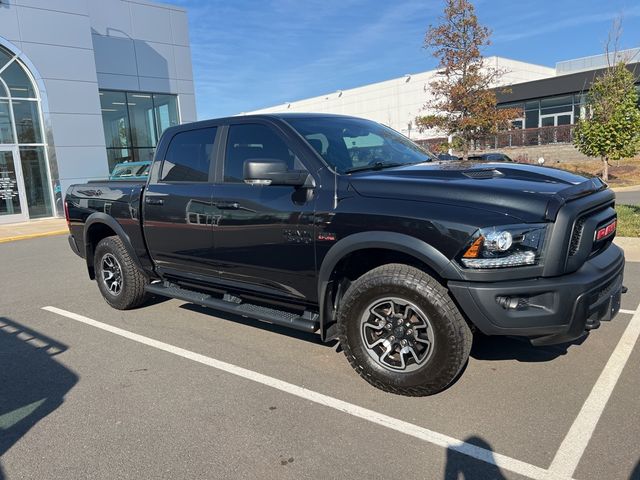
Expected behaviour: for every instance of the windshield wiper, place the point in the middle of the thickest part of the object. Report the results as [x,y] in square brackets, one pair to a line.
[375,166]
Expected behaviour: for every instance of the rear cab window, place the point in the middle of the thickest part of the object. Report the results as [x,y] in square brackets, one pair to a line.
[189,156]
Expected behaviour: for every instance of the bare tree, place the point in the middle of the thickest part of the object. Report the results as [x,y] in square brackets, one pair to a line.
[463,99]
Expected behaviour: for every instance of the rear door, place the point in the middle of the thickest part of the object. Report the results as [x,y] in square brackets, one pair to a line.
[178,215]
[264,234]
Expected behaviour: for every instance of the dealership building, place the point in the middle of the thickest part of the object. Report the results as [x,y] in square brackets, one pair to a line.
[397,102]
[84,85]
[551,101]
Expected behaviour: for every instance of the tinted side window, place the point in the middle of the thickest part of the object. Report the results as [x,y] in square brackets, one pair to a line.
[254,141]
[189,156]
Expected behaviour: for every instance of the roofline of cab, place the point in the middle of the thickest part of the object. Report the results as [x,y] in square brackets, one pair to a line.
[258,116]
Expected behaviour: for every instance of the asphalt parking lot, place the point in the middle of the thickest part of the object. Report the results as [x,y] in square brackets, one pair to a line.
[175,391]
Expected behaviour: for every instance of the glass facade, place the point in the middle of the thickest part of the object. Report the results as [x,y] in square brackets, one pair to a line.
[24,176]
[133,123]
[550,111]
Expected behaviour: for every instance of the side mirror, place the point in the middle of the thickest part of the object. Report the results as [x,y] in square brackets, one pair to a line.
[269,171]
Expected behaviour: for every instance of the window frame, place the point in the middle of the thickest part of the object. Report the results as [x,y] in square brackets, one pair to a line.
[15,61]
[276,129]
[215,155]
[131,148]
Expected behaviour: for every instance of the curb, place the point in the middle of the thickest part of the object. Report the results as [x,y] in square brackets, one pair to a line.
[33,235]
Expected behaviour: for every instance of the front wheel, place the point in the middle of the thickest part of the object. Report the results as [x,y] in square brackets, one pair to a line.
[121,283]
[401,331]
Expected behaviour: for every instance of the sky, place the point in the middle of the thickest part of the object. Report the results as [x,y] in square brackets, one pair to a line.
[249,54]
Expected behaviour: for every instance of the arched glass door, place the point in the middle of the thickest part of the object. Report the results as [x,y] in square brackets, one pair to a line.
[25,187]
[12,196]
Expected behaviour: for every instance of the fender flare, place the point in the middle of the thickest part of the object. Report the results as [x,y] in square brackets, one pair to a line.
[104,219]
[378,239]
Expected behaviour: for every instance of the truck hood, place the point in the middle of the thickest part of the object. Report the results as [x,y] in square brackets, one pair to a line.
[528,192]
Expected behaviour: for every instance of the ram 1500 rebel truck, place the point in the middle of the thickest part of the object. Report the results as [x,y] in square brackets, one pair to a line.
[344,227]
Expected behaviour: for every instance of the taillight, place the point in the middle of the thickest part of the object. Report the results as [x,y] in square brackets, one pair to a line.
[66,213]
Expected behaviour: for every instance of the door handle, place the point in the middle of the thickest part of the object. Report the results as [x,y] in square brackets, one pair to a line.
[154,201]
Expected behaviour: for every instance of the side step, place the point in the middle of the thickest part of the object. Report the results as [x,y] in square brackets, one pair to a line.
[307,323]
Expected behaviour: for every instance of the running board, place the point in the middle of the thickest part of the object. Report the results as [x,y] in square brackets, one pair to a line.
[308,322]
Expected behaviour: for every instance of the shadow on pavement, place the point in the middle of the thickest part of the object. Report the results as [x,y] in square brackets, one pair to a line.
[32,383]
[514,348]
[462,466]
[484,347]
[155,300]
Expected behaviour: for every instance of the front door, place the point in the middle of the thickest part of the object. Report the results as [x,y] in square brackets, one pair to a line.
[263,234]
[555,120]
[13,204]
[556,135]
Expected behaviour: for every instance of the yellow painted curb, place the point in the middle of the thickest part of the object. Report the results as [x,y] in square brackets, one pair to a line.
[33,235]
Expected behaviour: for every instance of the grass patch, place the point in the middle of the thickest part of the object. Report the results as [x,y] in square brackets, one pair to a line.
[621,174]
[628,220]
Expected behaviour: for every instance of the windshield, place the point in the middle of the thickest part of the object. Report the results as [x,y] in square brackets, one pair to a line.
[351,144]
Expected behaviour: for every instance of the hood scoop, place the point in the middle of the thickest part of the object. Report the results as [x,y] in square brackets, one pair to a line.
[483,173]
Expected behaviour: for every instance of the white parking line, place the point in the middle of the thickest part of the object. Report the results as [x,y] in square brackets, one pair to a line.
[435,438]
[628,312]
[574,444]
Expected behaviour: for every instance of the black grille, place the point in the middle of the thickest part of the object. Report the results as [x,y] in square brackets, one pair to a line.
[576,236]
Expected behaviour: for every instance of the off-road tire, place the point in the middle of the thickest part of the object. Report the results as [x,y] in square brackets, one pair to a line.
[132,293]
[452,335]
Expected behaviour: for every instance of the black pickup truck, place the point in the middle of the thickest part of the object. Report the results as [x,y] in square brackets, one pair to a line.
[344,227]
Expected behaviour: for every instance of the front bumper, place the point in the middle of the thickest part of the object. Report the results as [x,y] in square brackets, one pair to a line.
[549,310]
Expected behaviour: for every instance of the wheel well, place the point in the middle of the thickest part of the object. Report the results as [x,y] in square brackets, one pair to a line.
[354,265]
[357,263]
[96,232]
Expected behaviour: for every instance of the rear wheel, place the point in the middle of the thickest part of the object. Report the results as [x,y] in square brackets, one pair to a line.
[121,283]
[401,331]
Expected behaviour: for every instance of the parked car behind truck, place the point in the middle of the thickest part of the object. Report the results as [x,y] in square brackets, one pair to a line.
[131,171]
[342,226]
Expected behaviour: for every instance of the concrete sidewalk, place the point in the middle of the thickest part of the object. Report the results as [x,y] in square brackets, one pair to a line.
[628,195]
[630,188]
[631,247]
[33,229]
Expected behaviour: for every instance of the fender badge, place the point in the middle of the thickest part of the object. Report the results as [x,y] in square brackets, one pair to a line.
[329,237]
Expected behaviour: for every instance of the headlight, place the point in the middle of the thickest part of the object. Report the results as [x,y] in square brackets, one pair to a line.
[505,246]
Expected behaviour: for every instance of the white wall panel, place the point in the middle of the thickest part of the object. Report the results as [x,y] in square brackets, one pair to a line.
[108,81]
[110,18]
[73,130]
[9,28]
[68,6]
[54,28]
[155,59]
[58,62]
[115,55]
[67,96]
[152,24]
